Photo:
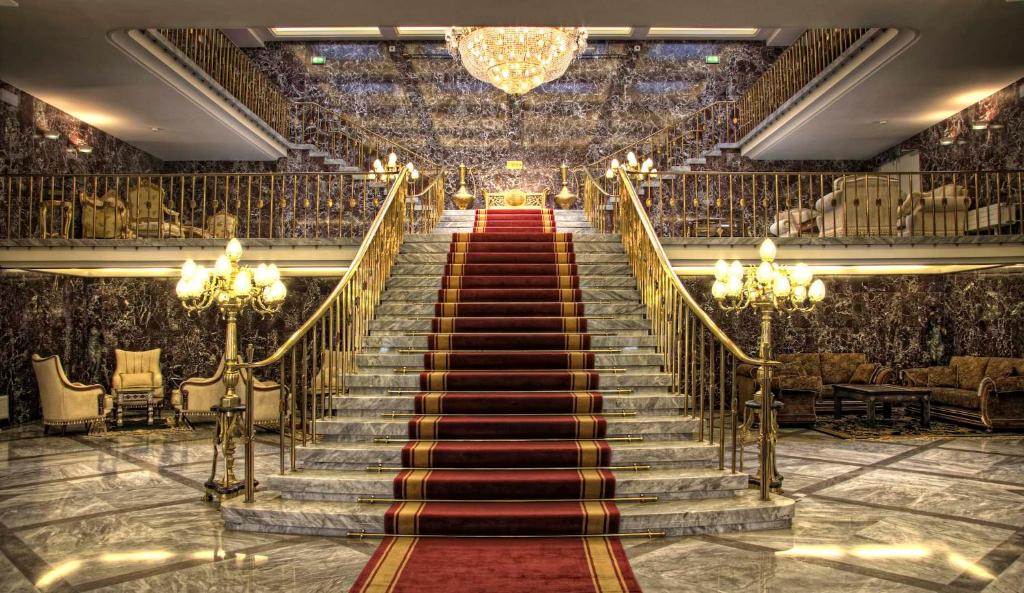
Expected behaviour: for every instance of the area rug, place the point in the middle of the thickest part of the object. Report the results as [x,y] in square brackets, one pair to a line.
[498,565]
[854,427]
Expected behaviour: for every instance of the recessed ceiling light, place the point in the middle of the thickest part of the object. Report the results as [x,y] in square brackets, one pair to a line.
[882,122]
[335,32]
[421,31]
[156,129]
[701,32]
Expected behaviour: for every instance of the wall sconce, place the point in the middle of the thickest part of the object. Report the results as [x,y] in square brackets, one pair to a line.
[85,148]
[51,135]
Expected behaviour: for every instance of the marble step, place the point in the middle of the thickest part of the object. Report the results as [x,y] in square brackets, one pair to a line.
[666,484]
[374,405]
[437,270]
[446,237]
[590,295]
[406,308]
[434,281]
[561,223]
[386,343]
[365,382]
[358,428]
[396,324]
[274,514]
[579,247]
[591,257]
[633,361]
[360,455]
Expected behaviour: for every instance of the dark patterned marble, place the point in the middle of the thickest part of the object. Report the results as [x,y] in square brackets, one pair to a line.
[83,320]
[903,321]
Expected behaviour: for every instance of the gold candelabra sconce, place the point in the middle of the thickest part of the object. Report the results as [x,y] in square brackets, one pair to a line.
[639,171]
[388,172]
[232,288]
[767,288]
[463,197]
[565,197]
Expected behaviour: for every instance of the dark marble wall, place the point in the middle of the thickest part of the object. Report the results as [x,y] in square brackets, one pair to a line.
[419,96]
[904,321]
[84,319]
[23,149]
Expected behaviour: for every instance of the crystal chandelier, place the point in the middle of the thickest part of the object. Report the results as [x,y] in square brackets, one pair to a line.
[516,59]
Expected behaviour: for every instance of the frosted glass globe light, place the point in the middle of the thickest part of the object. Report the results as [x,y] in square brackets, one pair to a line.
[234,250]
[767,250]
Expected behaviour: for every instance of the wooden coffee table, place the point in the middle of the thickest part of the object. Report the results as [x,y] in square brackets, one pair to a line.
[887,395]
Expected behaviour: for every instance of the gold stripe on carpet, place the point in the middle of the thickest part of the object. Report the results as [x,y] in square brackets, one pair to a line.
[433,402]
[604,568]
[390,566]
[414,484]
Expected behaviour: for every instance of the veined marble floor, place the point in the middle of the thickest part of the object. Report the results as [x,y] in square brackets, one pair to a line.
[123,513]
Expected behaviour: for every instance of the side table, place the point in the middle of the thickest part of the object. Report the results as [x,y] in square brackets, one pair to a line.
[136,399]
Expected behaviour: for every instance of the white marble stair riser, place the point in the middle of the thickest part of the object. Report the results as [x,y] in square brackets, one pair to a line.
[635,362]
[593,325]
[437,269]
[271,513]
[609,281]
[443,245]
[380,343]
[411,380]
[446,237]
[400,309]
[589,295]
[676,453]
[362,429]
[666,484]
[375,405]
[587,258]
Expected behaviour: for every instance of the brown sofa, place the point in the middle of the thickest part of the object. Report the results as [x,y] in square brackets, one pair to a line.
[804,381]
[975,390]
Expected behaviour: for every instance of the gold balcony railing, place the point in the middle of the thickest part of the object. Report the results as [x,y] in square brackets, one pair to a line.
[700,357]
[316,362]
[203,205]
[213,52]
[798,65]
[833,204]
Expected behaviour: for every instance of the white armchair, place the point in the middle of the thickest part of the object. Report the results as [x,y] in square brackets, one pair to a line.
[147,214]
[859,205]
[66,403]
[794,222]
[193,400]
[940,212]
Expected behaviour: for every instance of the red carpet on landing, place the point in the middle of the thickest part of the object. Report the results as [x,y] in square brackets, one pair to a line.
[508,439]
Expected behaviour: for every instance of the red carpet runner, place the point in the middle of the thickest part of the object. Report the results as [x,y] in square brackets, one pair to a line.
[508,439]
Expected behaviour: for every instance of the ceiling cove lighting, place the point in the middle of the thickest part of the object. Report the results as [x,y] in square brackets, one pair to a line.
[701,33]
[606,32]
[327,32]
[421,31]
[516,59]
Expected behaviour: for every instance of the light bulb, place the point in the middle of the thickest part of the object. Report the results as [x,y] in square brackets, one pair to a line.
[410,166]
[377,165]
[222,267]
[195,287]
[234,250]
[202,275]
[261,277]
[275,274]
[648,164]
[736,269]
[188,269]
[734,286]
[801,274]
[799,294]
[765,273]
[817,291]
[415,174]
[609,173]
[781,287]
[721,270]
[718,290]
[767,250]
[631,159]
[242,284]
[275,293]
[392,159]
[181,289]
[615,164]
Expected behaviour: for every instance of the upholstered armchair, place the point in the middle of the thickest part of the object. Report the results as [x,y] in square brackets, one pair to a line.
[104,217]
[197,395]
[981,391]
[138,370]
[221,225]
[939,212]
[147,214]
[66,403]
[860,205]
[794,222]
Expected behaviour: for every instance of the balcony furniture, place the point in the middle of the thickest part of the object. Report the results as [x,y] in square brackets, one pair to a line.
[800,397]
[66,403]
[978,391]
[55,216]
[887,395]
[794,222]
[1003,217]
[137,399]
[148,216]
[138,371]
[104,217]
[941,212]
[859,205]
[221,225]
[194,398]
[706,226]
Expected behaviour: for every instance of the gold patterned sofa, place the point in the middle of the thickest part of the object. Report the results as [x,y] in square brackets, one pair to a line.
[980,391]
[194,398]
[66,403]
[804,381]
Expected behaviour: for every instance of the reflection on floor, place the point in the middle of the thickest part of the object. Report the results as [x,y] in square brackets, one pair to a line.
[123,513]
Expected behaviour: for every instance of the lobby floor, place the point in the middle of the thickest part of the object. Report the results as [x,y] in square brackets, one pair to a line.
[122,512]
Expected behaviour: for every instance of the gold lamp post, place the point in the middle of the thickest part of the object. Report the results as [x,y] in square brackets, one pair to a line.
[232,288]
[639,171]
[565,198]
[389,172]
[766,288]
[463,197]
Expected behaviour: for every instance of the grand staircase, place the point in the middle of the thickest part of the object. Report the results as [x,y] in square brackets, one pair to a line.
[663,479]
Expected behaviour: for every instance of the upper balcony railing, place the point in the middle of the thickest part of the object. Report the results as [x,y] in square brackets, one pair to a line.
[798,65]
[213,52]
[204,205]
[831,204]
